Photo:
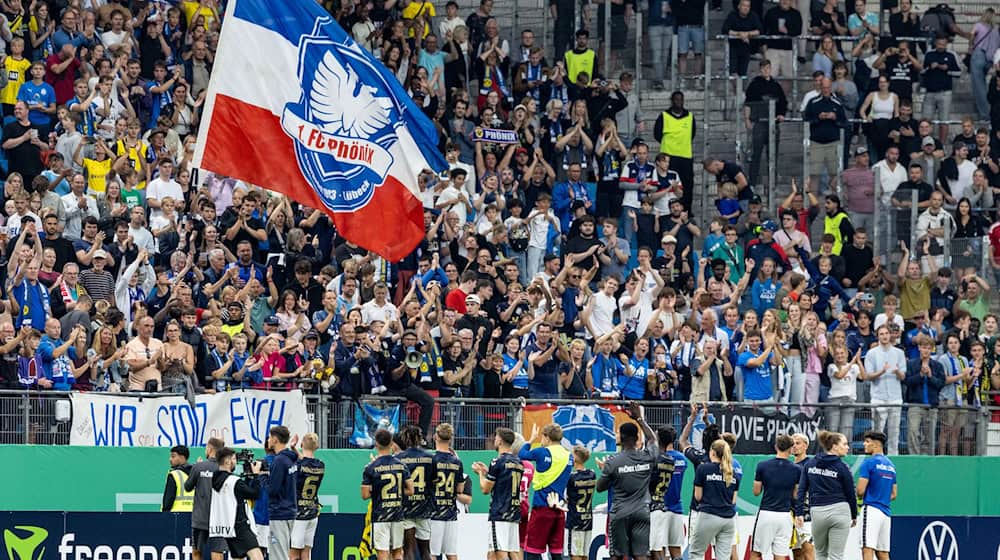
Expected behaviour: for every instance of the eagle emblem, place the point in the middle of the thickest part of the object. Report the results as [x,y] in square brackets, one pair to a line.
[343,125]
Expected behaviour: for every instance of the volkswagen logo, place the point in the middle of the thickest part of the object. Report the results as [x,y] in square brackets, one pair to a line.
[937,542]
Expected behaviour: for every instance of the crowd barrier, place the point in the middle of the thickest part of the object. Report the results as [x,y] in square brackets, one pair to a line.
[53,418]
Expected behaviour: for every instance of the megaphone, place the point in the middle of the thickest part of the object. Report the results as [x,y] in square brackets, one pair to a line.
[413,358]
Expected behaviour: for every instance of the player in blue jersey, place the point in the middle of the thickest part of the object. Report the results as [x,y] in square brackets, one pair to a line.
[672,497]
[385,481]
[659,516]
[417,506]
[877,488]
[449,482]
[776,478]
[502,480]
[580,504]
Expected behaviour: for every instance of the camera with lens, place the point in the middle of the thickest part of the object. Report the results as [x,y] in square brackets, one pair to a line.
[246,459]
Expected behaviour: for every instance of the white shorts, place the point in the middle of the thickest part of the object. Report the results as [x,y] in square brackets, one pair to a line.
[675,529]
[876,528]
[387,535]
[772,533]
[422,528]
[802,535]
[658,521]
[444,538]
[304,532]
[263,535]
[579,542]
[504,537]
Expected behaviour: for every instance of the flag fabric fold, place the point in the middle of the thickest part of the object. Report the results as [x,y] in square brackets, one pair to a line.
[296,106]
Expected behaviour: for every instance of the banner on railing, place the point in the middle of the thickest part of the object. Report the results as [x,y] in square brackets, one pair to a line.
[756,427]
[369,419]
[240,418]
[593,426]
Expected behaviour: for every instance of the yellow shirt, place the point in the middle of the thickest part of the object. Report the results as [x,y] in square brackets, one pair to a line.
[97,173]
[192,9]
[17,73]
[136,157]
[413,9]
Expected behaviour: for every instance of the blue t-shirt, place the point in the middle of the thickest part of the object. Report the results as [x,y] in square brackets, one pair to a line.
[778,477]
[672,497]
[634,387]
[41,94]
[756,381]
[728,206]
[606,371]
[881,475]
[62,187]
[520,380]
[716,495]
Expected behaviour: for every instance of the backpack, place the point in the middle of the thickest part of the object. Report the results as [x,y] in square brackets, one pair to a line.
[938,22]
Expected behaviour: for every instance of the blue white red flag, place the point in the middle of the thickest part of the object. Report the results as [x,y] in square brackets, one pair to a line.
[296,106]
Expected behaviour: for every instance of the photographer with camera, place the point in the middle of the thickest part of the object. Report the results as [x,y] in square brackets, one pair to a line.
[403,365]
[281,495]
[355,363]
[200,481]
[231,526]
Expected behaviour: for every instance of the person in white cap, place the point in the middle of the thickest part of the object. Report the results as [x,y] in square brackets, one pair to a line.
[98,282]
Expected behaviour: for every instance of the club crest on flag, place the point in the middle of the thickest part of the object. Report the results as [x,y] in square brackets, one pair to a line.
[344,124]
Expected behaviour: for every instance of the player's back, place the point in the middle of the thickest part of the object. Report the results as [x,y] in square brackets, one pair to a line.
[386,476]
[308,479]
[580,500]
[448,475]
[506,472]
[660,481]
[420,463]
[778,478]
[881,475]
[672,497]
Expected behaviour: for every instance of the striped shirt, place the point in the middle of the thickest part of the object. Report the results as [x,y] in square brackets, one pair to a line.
[99,285]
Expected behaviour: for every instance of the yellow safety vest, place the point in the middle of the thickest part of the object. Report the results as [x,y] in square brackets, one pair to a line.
[579,62]
[676,140]
[560,459]
[831,225]
[183,500]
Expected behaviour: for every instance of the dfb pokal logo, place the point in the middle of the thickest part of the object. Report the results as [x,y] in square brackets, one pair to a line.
[937,542]
[344,124]
[27,547]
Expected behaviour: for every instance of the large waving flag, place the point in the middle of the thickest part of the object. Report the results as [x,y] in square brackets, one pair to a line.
[296,106]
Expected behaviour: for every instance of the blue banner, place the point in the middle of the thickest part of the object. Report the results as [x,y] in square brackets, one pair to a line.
[369,419]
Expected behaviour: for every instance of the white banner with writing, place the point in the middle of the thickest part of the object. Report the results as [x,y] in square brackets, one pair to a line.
[240,418]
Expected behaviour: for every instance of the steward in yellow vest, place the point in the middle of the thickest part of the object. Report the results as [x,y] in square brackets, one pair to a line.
[175,497]
[580,59]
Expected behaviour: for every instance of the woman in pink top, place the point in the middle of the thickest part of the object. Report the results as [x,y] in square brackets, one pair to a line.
[812,340]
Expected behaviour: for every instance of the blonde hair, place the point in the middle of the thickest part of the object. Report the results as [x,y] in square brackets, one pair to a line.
[725,456]
[310,441]
[444,432]
[728,190]
[554,432]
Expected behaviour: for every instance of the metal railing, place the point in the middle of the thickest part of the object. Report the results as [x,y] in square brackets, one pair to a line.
[30,417]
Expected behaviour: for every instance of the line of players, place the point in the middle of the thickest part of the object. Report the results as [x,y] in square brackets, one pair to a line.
[416,495]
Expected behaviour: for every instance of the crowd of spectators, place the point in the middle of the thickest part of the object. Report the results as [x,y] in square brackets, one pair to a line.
[564,262]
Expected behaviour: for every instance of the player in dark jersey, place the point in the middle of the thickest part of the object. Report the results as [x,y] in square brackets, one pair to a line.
[385,481]
[802,545]
[502,480]
[776,478]
[449,481]
[308,479]
[658,484]
[416,507]
[580,504]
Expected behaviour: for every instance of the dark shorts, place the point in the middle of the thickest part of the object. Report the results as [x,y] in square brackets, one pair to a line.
[244,541]
[201,542]
[629,535]
[546,531]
